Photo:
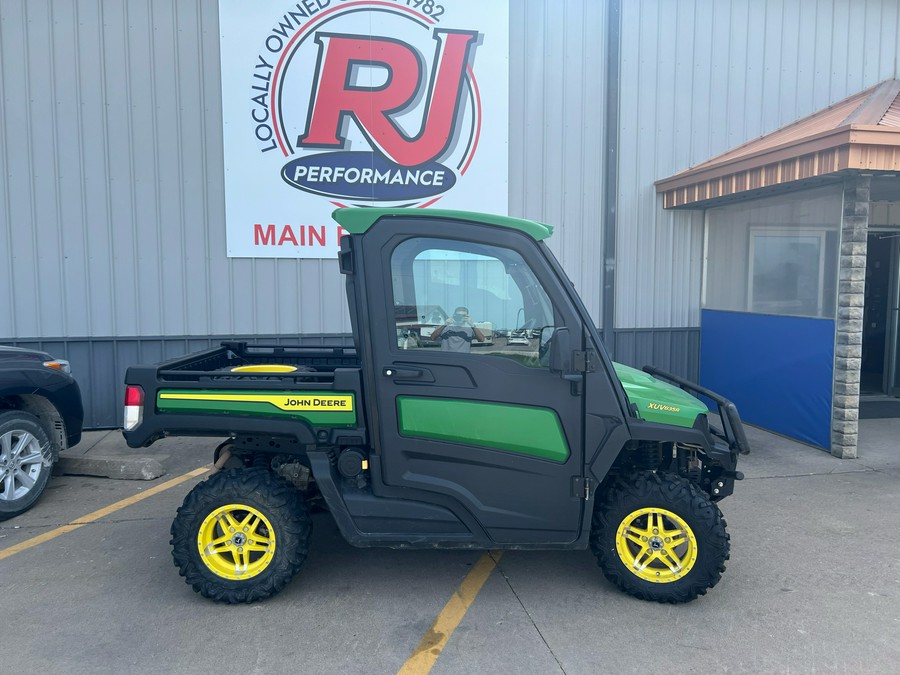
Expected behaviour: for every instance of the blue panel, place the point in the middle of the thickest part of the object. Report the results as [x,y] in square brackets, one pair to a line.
[778,370]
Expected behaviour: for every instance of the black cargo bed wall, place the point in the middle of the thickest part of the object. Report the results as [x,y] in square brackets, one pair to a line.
[99,363]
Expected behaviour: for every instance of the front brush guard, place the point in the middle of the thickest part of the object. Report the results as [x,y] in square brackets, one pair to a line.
[732,427]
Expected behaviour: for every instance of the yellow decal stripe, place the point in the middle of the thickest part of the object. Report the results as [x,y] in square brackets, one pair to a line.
[295,401]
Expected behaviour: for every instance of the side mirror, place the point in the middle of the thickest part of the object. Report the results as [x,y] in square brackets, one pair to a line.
[345,256]
[560,349]
[544,346]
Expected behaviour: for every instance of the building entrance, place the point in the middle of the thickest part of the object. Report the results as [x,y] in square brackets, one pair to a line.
[880,369]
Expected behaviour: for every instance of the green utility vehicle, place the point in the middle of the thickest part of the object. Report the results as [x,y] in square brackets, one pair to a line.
[455,441]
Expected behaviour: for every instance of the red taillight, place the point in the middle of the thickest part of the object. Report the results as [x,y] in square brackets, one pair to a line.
[134,395]
[134,407]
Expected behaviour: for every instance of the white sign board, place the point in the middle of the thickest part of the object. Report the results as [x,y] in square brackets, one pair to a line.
[334,103]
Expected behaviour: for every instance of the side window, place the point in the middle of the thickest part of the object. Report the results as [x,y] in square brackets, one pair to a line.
[468,298]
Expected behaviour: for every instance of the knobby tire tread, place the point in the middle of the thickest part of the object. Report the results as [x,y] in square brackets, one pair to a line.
[277,499]
[680,496]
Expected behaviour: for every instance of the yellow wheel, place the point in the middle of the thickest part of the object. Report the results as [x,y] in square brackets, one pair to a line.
[241,536]
[236,541]
[659,537]
[656,545]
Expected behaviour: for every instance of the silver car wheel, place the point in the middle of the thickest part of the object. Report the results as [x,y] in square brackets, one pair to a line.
[21,463]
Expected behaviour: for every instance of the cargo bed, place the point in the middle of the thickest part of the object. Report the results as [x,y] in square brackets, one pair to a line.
[243,389]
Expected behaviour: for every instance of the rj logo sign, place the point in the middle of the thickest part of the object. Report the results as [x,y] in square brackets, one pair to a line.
[331,103]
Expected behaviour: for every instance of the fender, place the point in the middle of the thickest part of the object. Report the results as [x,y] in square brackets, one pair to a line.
[52,395]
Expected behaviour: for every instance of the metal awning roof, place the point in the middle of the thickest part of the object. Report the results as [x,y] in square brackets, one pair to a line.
[859,133]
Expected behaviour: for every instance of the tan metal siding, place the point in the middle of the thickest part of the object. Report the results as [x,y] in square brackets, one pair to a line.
[892,116]
[867,156]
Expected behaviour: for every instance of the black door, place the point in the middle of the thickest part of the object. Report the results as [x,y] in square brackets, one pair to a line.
[877,313]
[466,407]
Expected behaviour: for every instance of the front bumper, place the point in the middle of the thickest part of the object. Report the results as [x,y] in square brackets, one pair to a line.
[725,444]
[732,431]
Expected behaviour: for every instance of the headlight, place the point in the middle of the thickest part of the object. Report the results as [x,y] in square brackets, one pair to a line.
[58,364]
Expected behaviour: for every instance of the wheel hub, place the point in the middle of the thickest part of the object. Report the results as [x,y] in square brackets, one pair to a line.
[656,545]
[236,541]
[21,463]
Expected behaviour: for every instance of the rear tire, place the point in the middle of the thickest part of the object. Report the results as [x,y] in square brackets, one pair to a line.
[659,537]
[25,463]
[241,535]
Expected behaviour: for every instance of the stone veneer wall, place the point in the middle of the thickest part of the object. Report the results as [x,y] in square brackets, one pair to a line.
[848,328]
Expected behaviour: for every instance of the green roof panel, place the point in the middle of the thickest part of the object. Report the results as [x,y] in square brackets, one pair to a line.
[359,220]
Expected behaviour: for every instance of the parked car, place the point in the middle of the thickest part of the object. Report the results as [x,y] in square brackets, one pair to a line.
[40,415]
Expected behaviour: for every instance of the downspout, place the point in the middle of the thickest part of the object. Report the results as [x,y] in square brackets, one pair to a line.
[611,175]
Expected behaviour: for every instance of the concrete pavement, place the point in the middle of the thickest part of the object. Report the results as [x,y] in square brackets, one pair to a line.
[106,455]
[813,585]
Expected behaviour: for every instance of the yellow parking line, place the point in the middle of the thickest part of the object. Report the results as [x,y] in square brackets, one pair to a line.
[97,515]
[433,642]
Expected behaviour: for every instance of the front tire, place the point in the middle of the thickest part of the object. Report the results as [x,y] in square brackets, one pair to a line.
[25,462]
[659,537]
[241,535]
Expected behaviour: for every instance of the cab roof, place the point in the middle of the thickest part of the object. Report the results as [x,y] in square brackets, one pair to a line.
[359,220]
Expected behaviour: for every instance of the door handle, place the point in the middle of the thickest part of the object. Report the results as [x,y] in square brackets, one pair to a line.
[402,373]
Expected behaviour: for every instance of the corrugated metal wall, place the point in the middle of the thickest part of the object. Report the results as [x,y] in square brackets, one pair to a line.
[699,77]
[112,207]
[557,113]
[113,203]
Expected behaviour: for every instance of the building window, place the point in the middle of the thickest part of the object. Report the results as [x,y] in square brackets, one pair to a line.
[775,256]
[787,271]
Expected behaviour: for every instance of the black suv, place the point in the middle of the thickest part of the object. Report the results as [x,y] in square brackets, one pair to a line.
[40,415]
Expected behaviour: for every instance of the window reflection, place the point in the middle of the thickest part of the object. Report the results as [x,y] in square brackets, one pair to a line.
[465,297]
